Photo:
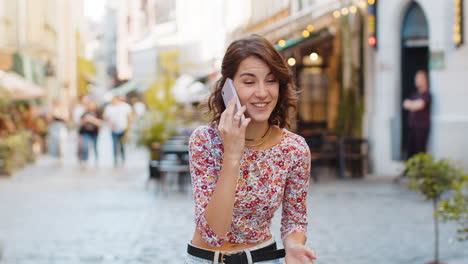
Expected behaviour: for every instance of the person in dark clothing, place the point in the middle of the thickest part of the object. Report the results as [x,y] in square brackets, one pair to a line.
[89,130]
[419,117]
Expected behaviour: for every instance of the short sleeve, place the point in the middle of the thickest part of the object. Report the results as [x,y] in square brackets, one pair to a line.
[294,215]
[204,176]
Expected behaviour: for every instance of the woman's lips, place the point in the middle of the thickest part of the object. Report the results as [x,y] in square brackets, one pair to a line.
[260,106]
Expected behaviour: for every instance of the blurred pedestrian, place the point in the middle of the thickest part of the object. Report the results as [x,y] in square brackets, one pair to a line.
[80,108]
[419,118]
[118,115]
[77,113]
[243,172]
[89,129]
[58,118]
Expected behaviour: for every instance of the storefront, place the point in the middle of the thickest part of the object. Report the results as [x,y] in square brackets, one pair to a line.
[417,35]
[324,50]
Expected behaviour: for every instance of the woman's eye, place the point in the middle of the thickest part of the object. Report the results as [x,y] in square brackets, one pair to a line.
[248,82]
[272,81]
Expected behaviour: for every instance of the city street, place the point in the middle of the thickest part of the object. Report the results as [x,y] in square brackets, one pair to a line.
[60,213]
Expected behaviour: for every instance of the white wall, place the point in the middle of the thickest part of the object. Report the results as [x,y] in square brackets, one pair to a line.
[449,113]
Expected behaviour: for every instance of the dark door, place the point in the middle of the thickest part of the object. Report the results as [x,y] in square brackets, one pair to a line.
[414,57]
[413,60]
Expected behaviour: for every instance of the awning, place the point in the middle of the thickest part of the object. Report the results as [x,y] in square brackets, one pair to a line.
[15,87]
[294,41]
[125,88]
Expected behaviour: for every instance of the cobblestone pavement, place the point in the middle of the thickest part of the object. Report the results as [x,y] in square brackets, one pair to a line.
[59,213]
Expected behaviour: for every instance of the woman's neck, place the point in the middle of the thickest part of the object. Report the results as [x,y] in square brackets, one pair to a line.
[256,130]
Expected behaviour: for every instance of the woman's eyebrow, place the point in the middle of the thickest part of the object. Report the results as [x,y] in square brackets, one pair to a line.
[253,75]
[247,74]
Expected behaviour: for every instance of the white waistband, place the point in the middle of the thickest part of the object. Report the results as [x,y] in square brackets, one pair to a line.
[262,245]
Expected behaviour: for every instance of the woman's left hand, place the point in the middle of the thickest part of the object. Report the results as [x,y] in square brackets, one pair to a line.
[299,254]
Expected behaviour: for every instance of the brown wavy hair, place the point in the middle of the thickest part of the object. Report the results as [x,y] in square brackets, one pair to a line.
[239,50]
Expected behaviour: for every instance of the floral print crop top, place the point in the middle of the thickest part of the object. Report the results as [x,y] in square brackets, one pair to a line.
[267,179]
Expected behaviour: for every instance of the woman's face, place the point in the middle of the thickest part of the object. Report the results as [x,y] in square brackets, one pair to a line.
[257,88]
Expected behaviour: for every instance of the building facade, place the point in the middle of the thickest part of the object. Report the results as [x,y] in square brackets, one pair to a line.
[41,35]
[413,35]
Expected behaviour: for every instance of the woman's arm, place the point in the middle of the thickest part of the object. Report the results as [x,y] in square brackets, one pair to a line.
[294,217]
[215,192]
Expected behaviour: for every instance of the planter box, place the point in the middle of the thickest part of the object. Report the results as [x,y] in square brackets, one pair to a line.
[15,152]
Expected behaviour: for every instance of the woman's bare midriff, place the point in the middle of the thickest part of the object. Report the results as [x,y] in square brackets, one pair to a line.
[198,241]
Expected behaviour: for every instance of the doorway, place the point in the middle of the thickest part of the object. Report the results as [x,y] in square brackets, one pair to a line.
[414,57]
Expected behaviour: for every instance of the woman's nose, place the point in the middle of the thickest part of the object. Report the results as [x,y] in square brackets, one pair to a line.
[261,90]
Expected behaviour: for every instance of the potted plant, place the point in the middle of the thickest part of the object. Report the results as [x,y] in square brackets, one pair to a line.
[433,179]
[456,209]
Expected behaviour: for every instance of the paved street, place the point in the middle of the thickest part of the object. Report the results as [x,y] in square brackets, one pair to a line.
[59,213]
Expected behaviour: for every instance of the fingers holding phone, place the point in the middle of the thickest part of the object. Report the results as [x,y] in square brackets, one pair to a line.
[231,133]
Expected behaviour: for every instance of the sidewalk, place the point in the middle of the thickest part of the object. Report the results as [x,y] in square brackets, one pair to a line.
[52,213]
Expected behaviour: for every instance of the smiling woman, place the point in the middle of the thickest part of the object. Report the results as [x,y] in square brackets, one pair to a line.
[241,174]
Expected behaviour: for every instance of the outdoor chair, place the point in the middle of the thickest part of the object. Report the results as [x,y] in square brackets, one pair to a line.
[323,150]
[356,154]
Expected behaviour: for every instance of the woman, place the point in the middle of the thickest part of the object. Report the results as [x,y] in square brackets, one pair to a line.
[89,130]
[241,174]
[58,118]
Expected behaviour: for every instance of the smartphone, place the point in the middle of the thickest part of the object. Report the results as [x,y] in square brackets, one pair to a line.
[228,92]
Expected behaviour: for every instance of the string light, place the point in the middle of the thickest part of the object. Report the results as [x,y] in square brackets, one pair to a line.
[353,9]
[336,14]
[371,2]
[305,33]
[310,28]
[282,43]
[344,11]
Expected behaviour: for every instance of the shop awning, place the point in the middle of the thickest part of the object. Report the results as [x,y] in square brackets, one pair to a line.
[15,87]
[126,88]
[294,41]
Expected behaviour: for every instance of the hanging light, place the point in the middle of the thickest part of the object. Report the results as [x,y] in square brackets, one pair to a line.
[353,9]
[291,61]
[313,56]
[305,33]
[371,2]
[310,28]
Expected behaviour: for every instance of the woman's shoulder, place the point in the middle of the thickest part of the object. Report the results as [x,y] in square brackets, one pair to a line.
[295,142]
[204,133]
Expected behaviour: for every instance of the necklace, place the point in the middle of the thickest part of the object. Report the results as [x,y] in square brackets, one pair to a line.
[262,139]
[252,139]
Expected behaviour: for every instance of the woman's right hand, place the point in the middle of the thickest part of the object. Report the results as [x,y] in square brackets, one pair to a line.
[232,134]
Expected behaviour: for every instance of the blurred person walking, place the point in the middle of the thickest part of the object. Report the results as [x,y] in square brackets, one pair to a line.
[57,117]
[77,112]
[118,114]
[419,118]
[243,170]
[90,123]
[80,108]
